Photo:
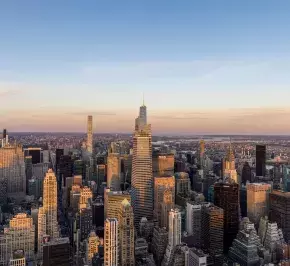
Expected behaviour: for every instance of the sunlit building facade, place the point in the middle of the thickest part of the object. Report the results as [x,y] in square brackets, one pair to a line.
[162,185]
[111,242]
[92,246]
[230,172]
[257,201]
[50,204]
[20,235]
[113,200]
[114,171]
[126,234]
[90,134]
[12,172]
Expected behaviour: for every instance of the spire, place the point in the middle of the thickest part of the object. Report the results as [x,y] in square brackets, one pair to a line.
[143,100]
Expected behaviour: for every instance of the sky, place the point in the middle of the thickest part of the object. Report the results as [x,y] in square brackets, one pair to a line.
[205,67]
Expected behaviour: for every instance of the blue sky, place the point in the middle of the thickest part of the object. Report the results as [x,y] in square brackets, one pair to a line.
[59,58]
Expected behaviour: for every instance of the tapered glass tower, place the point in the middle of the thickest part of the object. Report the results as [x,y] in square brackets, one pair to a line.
[142,178]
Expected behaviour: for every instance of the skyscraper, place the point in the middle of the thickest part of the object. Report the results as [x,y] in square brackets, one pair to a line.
[213,233]
[112,202]
[161,184]
[111,242]
[163,164]
[226,196]
[280,211]
[166,206]
[20,235]
[57,252]
[50,203]
[41,231]
[182,183]
[90,134]
[194,221]
[142,180]
[230,171]
[260,160]
[114,172]
[257,201]
[246,173]
[12,172]
[174,233]
[92,246]
[126,234]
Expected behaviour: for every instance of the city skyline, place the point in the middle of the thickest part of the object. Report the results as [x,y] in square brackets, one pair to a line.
[205,68]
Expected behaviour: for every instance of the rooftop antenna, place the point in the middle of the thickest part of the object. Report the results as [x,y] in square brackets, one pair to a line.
[143,100]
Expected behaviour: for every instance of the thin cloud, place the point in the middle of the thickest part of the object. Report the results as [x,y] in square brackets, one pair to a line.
[8,93]
[98,113]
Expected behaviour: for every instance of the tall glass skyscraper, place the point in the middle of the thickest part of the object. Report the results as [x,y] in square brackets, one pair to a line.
[142,178]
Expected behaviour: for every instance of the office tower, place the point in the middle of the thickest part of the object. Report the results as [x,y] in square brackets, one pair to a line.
[213,233]
[162,164]
[245,247]
[142,180]
[35,154]
[92,247]
[90,134]
[126,168]
[40,169]
[34,216]
[4,138]
[86,196]
[41,231]
[141,249]
[58,154]
[45,154]
[257,201]
[260,160]
[79,168]
[12,173]
[201,156]
[98,212]
[50,203]
[75,195]
[280,211]
[85,221]
[174,234]
[196,257]
[18,258]
[194,221]
[272,239]
[243,200]
[182,183]
[101,173]
[57,252]
[64,169]
[114,171]
[246,174]
[166,205]
[111,242]
[28,167]
[3,250]
[201,148]
[226,196]
[20,235]
[126,234]
[159,244]
[112,202]
[230,171]
[162,185]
